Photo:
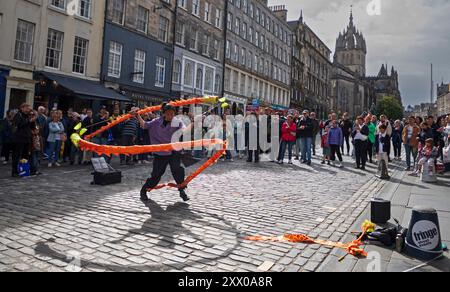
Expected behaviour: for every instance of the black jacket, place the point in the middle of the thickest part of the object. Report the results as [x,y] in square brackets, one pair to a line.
[307,132]
[21,128]
[364,131]
[346,126]
[385,141]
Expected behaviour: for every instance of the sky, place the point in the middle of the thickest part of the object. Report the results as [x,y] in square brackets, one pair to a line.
[407,34]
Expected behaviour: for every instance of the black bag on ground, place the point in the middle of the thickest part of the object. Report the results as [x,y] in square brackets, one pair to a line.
[104,174]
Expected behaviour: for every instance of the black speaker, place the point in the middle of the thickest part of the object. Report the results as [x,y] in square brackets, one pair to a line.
[104,174]
[380,211]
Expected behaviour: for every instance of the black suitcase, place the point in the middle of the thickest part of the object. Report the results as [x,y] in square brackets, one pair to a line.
[104,174]
[380,211]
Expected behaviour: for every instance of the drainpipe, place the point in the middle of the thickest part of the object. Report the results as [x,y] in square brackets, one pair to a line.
[225,30]
[174,31]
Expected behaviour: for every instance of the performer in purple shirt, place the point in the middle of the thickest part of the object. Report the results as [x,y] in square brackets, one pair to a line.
[161,131]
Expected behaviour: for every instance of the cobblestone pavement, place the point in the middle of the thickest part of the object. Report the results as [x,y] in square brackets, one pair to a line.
[59,222]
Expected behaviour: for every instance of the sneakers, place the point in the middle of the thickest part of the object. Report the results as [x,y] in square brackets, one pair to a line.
[308,163]
[57,164]
[280,162]
[50,165]
[323,162]
[340,165]
[290,162]
[5,162]
[184,196]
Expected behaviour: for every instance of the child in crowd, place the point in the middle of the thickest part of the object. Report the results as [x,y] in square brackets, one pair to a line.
[382,146]
[325,146]
[36,150]
[428,156]
[335,142]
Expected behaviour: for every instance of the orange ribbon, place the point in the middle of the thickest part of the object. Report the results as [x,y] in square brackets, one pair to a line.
[353,248]
[109,150]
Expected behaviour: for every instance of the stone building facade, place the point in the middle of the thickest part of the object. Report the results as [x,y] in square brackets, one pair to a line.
[138,49]
[311,70]
[199,48]
[443,99]
[48,37]
[257,54]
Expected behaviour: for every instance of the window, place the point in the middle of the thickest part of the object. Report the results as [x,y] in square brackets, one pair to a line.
[205,45]
[188,73]
[160,71]
[163,28]
[244,6]
[244,30]
[217,83]
[250,34]
[177,72]
[236,53]
[118,11]
[243,56]
[209,76]
[179,36]
[207,12]
[227,79]
[199,79]
[219,18]
[196,7]
[193,43]
[228,50]
[24,41]
[61,4]
[142,19]
[182,3]
[237,26]
[80,52]
[230,21]
[54,49]
[216,50]
[115,59]
[85,8]
[251,10]
[139,66]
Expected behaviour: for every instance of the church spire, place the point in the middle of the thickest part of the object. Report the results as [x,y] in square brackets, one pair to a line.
[351,15]
[301,16]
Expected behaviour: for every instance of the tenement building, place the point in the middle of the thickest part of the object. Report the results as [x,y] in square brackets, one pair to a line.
[199,48]
[311,70]
[257,54]
[443,99]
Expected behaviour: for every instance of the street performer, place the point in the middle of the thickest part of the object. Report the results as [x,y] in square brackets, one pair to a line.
[161,131]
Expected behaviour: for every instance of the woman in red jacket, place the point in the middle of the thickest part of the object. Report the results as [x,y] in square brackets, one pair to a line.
[288,137]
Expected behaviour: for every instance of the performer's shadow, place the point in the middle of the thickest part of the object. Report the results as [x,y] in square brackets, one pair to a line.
[167,224]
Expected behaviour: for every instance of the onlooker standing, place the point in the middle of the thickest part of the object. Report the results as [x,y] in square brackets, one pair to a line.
[288,137]
[298,139]
[75,151]
[360,135]
[305,131]
[315,130]
[397,132]
[100,120]
[6,136]
[384,121]
[87,123]
[346,126]
[325,145]
[36,149]
[55,139]
[21,136]
[129,134]
[335,140]
[410,137]
[372,124]
[144,139]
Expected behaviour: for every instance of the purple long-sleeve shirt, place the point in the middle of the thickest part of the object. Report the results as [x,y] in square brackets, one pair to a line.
[335,136]
[162,134]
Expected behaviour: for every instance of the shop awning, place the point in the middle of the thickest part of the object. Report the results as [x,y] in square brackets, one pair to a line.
[83,88]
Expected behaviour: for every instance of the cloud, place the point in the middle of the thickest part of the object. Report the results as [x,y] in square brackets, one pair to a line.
[409,34]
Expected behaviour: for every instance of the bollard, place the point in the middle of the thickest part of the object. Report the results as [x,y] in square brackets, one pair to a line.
[423,240]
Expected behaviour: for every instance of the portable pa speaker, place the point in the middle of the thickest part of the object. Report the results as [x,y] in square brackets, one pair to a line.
[104,174]
[380,211]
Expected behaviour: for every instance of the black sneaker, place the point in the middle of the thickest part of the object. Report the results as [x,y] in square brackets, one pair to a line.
[144,197]
[184,196]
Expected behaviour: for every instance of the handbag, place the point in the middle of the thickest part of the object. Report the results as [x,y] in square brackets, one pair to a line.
[446,152]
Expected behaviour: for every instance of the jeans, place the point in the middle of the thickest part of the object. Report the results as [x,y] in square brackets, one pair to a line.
[34,161]
[298,146]
[410,150]
[306,148]
[100,141]
[284,144]
[370,150]
[54,150]
[313,144]
[397,149]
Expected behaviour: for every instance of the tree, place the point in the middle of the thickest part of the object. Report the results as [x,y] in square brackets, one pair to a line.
[390,107]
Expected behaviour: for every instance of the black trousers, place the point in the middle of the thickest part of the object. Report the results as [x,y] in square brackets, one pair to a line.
[160,164]
[347,141]
[6,150]
[336,150]
[126,140]
[397,149]
[370,150]
[20,151]
[361,153]
[250,155]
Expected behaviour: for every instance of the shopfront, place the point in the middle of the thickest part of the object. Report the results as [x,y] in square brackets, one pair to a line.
[4,72]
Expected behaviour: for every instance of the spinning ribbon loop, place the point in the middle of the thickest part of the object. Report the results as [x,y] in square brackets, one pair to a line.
[108,150]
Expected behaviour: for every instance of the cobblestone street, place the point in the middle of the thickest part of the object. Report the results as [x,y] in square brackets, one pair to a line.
[59,222]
